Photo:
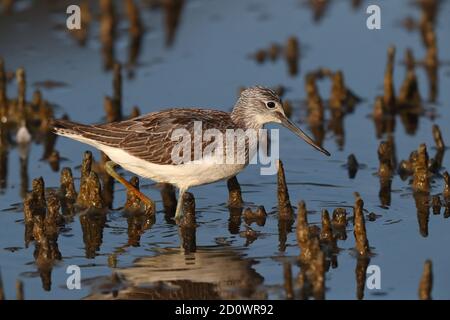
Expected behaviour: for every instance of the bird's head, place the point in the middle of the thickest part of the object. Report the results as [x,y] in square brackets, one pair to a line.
[258,106]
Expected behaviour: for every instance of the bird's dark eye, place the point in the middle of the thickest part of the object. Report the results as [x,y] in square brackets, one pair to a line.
[270,104]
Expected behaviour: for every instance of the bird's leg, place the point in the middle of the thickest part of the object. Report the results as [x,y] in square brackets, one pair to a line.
[109,166]
[179,211]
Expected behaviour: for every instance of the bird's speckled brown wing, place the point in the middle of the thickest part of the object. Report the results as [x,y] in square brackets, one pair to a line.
[148,137]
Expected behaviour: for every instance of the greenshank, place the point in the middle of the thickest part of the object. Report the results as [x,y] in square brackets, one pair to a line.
[144,145]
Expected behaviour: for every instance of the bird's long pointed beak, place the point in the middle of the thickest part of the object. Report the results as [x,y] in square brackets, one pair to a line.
[291,126]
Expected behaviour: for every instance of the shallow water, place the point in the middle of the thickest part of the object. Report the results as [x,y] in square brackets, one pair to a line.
[205,66]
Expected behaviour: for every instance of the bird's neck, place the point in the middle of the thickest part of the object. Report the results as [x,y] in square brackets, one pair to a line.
[245,119]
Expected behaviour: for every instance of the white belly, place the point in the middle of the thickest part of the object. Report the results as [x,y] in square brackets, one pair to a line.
[182,175]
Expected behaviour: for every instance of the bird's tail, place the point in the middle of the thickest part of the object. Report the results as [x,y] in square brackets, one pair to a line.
[73,130]
[66,127]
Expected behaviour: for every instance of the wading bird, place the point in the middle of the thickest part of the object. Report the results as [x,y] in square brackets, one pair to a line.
[144,145]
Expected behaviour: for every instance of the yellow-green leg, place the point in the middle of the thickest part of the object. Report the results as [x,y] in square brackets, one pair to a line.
[109,166]
[179,211]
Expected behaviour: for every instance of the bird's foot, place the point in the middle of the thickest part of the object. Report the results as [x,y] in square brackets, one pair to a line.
[148,203]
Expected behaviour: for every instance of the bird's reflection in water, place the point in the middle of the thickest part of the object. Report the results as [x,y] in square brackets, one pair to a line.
[208,273]
[187,272]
